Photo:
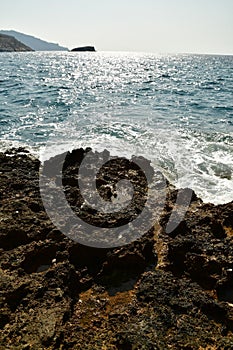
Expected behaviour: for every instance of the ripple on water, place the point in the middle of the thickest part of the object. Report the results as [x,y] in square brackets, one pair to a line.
[174,109]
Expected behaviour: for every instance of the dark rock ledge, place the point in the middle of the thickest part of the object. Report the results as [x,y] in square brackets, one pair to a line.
[164,291]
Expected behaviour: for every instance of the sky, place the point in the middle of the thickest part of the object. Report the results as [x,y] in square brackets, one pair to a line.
[158,26]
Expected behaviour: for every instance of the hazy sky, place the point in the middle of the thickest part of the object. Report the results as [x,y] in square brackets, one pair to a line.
[199,26]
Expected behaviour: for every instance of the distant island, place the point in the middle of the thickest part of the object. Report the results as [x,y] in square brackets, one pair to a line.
[10,44]
[84,48]
[35,44]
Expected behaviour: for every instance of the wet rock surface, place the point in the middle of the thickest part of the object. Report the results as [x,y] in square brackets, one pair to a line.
[169,289]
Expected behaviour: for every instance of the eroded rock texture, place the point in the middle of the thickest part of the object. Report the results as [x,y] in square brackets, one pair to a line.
[167,290]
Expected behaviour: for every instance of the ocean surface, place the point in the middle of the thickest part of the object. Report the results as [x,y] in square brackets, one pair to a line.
[176,110]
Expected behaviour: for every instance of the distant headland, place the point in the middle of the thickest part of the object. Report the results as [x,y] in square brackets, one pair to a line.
[11,41]
[10,44]
[35,44]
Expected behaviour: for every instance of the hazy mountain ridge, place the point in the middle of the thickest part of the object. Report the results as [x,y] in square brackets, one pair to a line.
[32,42]
[9,43]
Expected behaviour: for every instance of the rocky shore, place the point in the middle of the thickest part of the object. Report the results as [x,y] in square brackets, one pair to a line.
[163,291]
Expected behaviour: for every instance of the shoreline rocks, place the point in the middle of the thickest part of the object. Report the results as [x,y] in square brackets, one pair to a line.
[164,290]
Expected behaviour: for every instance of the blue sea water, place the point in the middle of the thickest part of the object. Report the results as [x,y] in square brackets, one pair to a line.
[176,110]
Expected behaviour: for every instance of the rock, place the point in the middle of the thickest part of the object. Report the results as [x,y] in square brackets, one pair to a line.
[164,290]
[84,48]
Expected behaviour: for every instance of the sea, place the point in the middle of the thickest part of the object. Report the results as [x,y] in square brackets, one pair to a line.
[174,109]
